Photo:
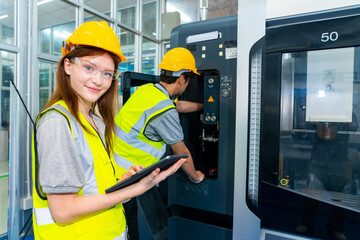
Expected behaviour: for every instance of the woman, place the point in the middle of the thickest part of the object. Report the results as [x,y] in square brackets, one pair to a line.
[73,144]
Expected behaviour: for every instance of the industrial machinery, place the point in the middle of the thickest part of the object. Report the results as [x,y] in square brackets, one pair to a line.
[303,176]
[209,135]
[309,130]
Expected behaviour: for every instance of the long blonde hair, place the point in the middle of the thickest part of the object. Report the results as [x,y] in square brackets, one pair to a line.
[107,104]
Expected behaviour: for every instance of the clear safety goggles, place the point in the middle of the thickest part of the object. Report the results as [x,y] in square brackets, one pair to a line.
[92,69]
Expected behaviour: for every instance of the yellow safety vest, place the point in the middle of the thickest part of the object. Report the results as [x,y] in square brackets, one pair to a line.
[131,145]
[100,173]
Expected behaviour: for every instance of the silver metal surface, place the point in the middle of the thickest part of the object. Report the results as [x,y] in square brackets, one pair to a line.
[251,23]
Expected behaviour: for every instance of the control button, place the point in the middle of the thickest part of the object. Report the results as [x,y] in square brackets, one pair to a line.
[207,118]
[211,81]
[225,93]
[213,118]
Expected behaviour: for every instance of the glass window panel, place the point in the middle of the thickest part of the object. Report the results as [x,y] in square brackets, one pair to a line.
[44,96]
[149,18]
[6,72]
[7,19]
[56,22]
[148,56]
[127,66]
[127,12]
[53,77]
[148,47]
[127,42]
[102,6]
[148,65]
[60,34]
[46,81]
[188,9]
[5,105]
[44,72]
[88,17]
[319,124]
[45,40]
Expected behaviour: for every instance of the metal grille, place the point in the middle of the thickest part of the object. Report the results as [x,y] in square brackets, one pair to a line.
[254,133]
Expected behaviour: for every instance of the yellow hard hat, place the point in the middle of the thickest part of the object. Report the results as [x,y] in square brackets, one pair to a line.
[178,59]
[95,34]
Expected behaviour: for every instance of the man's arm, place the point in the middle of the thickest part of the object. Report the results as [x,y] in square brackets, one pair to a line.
[167,127]
[188,166]
[187,106]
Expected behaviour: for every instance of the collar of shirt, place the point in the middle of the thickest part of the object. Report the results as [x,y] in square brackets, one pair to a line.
[98,122]
[163,89]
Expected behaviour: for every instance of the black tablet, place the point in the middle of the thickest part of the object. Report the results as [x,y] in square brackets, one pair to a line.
[163,164]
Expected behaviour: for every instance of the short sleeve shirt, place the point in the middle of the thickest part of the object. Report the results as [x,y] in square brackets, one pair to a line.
[61,170]
[166,126]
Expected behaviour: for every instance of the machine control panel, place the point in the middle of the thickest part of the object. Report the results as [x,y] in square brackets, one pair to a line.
[211,98]
[226,86]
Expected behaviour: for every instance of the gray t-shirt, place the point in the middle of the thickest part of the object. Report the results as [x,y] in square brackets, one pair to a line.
[61,170]
[166,126]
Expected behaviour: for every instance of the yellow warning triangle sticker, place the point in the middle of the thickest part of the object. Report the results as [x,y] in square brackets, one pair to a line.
[210,99]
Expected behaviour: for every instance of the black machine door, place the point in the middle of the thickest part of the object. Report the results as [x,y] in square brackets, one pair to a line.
[310,134]
[130,80]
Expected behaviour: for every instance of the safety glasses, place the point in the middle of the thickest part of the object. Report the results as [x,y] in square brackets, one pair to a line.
[92,69]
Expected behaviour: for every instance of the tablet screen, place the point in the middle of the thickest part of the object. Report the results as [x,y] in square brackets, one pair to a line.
[163,164]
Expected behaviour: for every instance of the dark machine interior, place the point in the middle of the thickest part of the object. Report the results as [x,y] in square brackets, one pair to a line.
[202,127]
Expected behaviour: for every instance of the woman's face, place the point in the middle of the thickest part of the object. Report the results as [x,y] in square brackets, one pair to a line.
[90,76]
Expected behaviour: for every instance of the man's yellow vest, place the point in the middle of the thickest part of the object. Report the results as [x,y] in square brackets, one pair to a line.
[131,145]
[100,173]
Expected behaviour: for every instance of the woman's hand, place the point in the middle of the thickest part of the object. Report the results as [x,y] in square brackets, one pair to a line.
[68,207]
[133,169]
[156,176]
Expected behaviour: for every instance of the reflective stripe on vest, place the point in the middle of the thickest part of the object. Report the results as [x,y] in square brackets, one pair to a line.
[131,144]
[85,155]
[43,216]
[131,137]
[119,160]
[123,236]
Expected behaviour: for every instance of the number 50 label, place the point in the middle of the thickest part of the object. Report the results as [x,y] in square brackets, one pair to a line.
[326,36]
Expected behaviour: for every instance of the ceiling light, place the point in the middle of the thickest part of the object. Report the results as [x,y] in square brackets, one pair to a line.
[321,94]
[62,34]
[3,16]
